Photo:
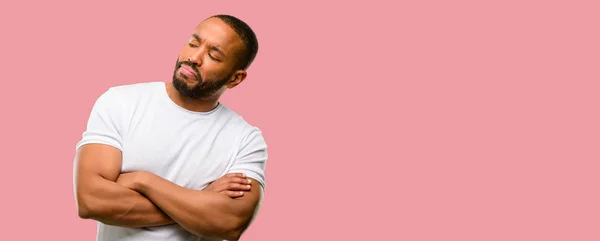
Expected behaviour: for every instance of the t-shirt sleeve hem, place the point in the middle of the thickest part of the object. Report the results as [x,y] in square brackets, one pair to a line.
[105,141]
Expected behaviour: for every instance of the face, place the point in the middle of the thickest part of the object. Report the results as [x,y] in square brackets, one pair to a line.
[206,65]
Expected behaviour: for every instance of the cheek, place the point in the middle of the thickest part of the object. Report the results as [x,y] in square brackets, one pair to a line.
[207,74]
[212,71]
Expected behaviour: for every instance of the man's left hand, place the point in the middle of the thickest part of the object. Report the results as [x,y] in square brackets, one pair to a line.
[233,185]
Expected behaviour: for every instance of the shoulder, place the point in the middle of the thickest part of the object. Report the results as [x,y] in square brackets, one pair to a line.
[122,95]
[136,89]
[237,122]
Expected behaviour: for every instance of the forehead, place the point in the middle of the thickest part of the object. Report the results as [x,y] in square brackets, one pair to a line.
[217,33]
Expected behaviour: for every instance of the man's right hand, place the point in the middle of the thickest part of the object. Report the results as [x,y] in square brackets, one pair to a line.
[232,185]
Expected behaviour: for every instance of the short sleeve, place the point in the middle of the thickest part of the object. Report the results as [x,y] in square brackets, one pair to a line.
[103,126]
[251,159]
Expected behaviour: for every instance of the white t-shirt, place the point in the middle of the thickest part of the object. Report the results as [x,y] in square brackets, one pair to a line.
[188,148]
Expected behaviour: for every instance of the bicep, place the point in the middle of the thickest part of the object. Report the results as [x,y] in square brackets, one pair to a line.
[97,160]
[97,166]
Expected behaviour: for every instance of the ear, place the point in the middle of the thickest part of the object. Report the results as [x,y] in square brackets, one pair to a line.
[236,78]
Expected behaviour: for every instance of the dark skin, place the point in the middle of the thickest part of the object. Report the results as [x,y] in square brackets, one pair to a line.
[103,195]
[224,209]
[214,49]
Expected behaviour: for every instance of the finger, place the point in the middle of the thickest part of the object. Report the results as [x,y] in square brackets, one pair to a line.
[238,187]
[235,174]
[234,194]
[239,180]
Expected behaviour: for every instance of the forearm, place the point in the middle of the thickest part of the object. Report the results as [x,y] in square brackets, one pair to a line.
[203,213]
[113,204]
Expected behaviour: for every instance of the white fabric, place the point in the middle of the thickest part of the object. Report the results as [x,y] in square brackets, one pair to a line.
[188,148]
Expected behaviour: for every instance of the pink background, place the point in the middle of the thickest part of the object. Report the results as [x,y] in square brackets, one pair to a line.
[414,120]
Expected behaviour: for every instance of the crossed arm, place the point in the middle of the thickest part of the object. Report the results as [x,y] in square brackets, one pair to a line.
[142,199]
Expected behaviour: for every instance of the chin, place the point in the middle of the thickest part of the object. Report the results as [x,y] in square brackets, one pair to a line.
[184,82]
[191,86]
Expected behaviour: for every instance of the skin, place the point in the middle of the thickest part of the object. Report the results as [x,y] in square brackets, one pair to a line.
[141,199]
[100,196]
[202,213]
[213,49]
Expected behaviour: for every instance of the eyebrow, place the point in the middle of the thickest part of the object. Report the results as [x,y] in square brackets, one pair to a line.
[212,47]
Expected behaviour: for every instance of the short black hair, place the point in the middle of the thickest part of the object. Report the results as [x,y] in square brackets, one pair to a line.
[246,34]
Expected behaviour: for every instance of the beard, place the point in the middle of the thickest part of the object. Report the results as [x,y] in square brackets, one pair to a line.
[203,89]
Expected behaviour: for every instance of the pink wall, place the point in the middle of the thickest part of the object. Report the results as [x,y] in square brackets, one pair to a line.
[431,120]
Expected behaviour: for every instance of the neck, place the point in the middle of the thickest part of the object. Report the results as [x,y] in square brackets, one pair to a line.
[204,105]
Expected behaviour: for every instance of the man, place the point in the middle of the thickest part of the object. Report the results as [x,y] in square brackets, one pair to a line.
[168,161]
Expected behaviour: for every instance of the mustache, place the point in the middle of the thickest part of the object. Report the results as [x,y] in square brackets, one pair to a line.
[191,65]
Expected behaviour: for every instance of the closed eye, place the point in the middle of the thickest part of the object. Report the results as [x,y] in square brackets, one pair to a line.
[213,58]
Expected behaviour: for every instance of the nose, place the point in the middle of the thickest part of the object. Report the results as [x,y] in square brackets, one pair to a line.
[196,57]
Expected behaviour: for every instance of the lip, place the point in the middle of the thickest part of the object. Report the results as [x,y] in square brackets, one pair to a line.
[188,72]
